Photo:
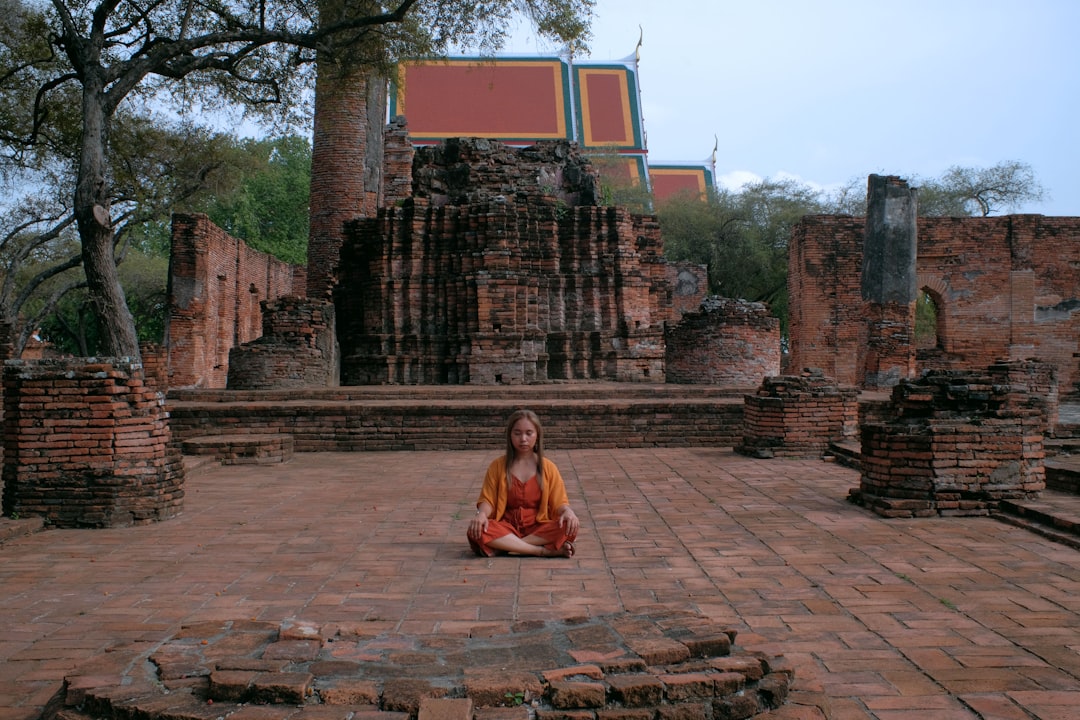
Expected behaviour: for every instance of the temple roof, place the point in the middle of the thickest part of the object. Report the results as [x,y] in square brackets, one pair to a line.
[522,100]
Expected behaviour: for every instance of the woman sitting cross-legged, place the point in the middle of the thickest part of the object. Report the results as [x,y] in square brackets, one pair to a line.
[523,508]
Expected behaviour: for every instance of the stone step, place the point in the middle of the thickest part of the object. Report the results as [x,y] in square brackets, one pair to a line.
[1061,446]
[1063,474]
[11,528]
[576,391]
[604,415]
[1055,515]
[241,449]
[845,452]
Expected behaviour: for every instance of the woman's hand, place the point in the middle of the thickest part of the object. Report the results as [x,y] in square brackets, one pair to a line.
[568,520]
[478,525]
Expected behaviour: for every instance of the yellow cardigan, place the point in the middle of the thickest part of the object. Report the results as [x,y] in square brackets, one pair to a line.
[552,495]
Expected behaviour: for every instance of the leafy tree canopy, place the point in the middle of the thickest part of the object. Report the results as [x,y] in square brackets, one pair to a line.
[964,191]
[73,73]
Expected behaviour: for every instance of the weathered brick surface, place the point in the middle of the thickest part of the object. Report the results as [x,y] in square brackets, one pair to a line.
[297,348]
[639,690]
[1005,287]
[689,287]
[501,269]
[87,444]
[242,449]
[441,418]
[445,709]
[565,694]
[961,442]
[216,285]
[493,687]
[346,177]
[798,416]
[346,690]
[378,689]
[725,342]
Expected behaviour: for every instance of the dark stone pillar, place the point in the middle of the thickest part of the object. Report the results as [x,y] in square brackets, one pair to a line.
[889,282]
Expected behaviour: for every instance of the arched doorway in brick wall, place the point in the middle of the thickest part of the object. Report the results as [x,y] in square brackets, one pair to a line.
[928,317]
[932,340]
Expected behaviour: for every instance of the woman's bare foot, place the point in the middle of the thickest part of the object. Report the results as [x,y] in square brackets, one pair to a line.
[566,551]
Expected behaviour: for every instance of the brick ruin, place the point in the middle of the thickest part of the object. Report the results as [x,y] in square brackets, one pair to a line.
[295,350]
[216,286]
[502,269]
[490,265]
[959,442]
[798,416]
[1003,287]
[87,444]
[667,665]
[723,342]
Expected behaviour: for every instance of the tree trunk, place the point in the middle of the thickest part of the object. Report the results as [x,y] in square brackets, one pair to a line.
[118,335]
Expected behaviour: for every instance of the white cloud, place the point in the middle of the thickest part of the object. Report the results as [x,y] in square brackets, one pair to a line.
[737,179]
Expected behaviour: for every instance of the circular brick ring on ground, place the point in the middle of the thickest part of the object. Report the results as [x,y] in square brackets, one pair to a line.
[657,666]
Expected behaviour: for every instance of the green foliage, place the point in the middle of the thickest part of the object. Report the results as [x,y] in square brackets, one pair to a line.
[73,327]
[269,208]
[926,317]
[160,166]
[616,186]
[76,76]
[742,236]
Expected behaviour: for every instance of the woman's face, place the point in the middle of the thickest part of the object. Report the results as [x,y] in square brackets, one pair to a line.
[523,436]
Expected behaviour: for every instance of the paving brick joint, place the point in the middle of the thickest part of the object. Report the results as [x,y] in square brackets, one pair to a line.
[879,618]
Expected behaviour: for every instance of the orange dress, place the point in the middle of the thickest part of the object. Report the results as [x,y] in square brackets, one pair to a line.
[520,518]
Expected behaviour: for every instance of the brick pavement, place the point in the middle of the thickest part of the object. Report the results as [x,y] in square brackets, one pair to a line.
[891,619]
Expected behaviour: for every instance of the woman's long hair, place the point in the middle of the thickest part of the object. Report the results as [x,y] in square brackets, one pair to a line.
[538,448]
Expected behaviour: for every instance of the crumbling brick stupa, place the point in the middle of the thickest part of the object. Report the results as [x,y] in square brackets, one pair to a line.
[484,264]
[502,268]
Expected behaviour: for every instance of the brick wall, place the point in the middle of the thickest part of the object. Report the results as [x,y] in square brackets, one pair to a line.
[726,342]
[1006,287]
[87,444]
[216,285]
[961,441]
[346,167]
[398,156]
[689,287]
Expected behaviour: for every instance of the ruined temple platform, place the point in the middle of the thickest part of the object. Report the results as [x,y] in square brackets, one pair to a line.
[576,414]
[889,619]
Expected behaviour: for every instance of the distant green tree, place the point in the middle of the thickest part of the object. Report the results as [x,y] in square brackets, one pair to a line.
[269,208]
[965,191]
[925,321]
[161,165]
[70,69]
[742,236]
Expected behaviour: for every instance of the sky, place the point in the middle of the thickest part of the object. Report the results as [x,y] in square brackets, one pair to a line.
[830,91]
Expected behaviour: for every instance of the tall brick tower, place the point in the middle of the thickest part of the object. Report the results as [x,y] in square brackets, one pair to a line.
[346,165]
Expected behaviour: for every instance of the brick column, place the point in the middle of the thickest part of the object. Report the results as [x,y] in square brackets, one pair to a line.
[889,281]
[346,164]
[87,444]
